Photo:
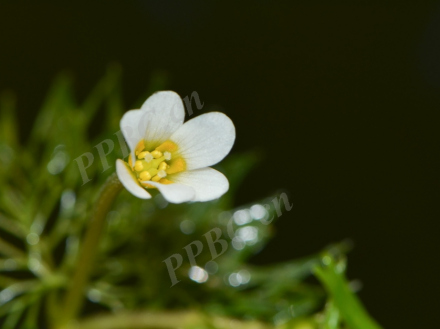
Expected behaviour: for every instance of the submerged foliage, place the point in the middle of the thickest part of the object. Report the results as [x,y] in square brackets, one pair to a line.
[45,208]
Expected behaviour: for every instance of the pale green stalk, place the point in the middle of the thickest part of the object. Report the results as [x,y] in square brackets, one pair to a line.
[75,294]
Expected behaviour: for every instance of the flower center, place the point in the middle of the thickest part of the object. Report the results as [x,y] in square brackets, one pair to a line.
[156,164]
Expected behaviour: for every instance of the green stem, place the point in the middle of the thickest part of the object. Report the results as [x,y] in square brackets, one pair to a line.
[75,293]
[165,320]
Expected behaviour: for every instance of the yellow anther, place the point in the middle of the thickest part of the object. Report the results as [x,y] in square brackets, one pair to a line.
[165,181]
[145,175]
[140,147]
[142,155]
[176,165]
[162,166]
[156,154]
[130,162]
[156,178]
[138,166]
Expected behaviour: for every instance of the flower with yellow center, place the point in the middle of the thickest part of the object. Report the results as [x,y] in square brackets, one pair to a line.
[173,156]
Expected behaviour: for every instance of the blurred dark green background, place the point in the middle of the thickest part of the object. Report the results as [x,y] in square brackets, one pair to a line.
[342,99]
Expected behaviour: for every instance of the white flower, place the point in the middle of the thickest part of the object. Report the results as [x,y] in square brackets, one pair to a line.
[172,156]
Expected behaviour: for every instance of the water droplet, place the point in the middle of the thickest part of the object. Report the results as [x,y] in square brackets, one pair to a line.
[233,280]
[245,276]
[59,161]
[248,234]
[68,199]
[237,279]
[211,267]
[34,264]
[6,295]
[341,266]
[198,274]
[242,217]
[187,226]
[94,295]
[258,212]
[238,243]
[32,238]
[326,260]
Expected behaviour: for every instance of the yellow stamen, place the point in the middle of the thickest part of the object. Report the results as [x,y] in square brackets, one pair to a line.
[157,164]
[165,181]
[140,147]
[145,175]
[167,146]
[156,154]
[163,166]
[138,166]
[142,155]
[176,165]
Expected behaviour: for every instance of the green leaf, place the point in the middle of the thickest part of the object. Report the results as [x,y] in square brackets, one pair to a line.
[352,311]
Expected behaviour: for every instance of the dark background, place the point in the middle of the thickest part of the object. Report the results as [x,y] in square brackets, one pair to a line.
[342,98]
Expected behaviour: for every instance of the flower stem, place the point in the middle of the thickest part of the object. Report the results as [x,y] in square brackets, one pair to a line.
[75,294]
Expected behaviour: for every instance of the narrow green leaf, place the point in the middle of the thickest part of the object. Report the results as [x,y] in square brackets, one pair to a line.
[104,89]
[55,104]
[351,309]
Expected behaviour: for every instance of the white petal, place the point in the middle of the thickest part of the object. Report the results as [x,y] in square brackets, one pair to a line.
[208,183]
[126,177]
[132,127]
[205,140]
[164,115]
[175,193]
